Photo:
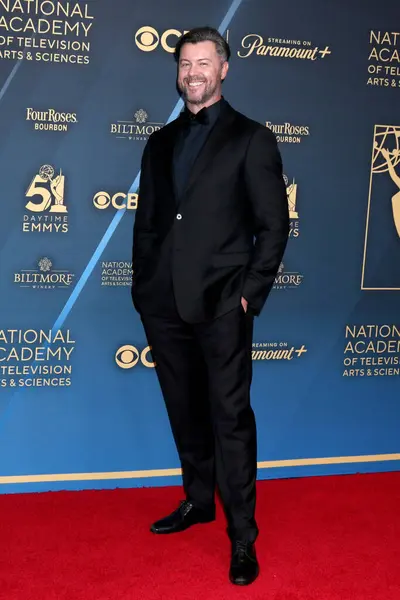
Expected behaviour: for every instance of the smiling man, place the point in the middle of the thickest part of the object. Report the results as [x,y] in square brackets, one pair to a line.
[210,231]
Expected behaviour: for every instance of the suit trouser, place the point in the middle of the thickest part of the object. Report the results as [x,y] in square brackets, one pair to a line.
[205,371]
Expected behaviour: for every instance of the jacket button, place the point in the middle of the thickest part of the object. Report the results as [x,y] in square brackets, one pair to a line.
[179,216]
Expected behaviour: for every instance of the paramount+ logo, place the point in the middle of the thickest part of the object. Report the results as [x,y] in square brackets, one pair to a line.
[148,39]
[119,201]
[128,356]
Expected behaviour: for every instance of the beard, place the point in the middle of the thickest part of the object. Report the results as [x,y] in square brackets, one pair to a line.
[208,92]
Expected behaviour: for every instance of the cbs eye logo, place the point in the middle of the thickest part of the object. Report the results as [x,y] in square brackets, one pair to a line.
[103,200]
[147,39]
[128,357]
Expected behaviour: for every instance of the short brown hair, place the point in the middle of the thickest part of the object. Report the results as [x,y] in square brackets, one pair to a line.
[204,34]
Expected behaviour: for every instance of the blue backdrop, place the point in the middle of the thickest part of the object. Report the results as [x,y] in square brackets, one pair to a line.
[83,85]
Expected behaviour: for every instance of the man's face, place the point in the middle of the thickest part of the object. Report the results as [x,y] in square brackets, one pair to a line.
[200,73]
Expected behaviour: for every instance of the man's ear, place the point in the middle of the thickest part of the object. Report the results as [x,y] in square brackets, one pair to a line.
[224,70]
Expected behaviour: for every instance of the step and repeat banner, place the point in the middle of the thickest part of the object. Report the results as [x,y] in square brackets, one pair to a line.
[82,87]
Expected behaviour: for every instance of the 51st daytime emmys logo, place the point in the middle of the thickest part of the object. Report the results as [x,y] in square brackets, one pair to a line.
[46,202]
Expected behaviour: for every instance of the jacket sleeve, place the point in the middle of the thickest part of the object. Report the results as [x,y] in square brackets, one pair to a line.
[143,229]
[266,192]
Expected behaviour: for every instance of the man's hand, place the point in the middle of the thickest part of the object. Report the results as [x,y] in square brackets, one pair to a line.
[244,304]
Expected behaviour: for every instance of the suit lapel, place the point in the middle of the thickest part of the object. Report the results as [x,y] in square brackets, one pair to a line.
[219,136]
[166,159]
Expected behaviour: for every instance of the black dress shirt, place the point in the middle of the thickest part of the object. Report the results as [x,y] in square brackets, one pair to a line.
[195,130]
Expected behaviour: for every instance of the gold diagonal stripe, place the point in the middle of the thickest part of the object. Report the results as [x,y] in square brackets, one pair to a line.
[268,464]
[368,210]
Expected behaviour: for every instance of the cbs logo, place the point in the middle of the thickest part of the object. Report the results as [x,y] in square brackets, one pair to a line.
[120,200]
[128,357]
[147,38]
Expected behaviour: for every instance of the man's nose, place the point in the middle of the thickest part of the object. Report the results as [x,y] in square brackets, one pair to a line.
[193,71]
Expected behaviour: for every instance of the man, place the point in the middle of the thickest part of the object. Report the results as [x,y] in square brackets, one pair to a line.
[210,231]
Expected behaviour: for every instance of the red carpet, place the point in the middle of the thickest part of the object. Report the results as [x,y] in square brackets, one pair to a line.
[322,538]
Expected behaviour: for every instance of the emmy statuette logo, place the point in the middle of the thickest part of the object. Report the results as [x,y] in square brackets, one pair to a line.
[383,214]
[388,162]
[50,188]
[385,160]
[291,190]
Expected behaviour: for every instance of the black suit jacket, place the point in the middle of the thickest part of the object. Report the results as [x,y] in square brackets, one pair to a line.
[225,238]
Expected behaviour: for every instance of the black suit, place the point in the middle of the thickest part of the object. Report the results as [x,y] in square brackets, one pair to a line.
[195,255]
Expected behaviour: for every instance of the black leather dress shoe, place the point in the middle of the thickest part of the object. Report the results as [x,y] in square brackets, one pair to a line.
[244,566]
[183,517]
